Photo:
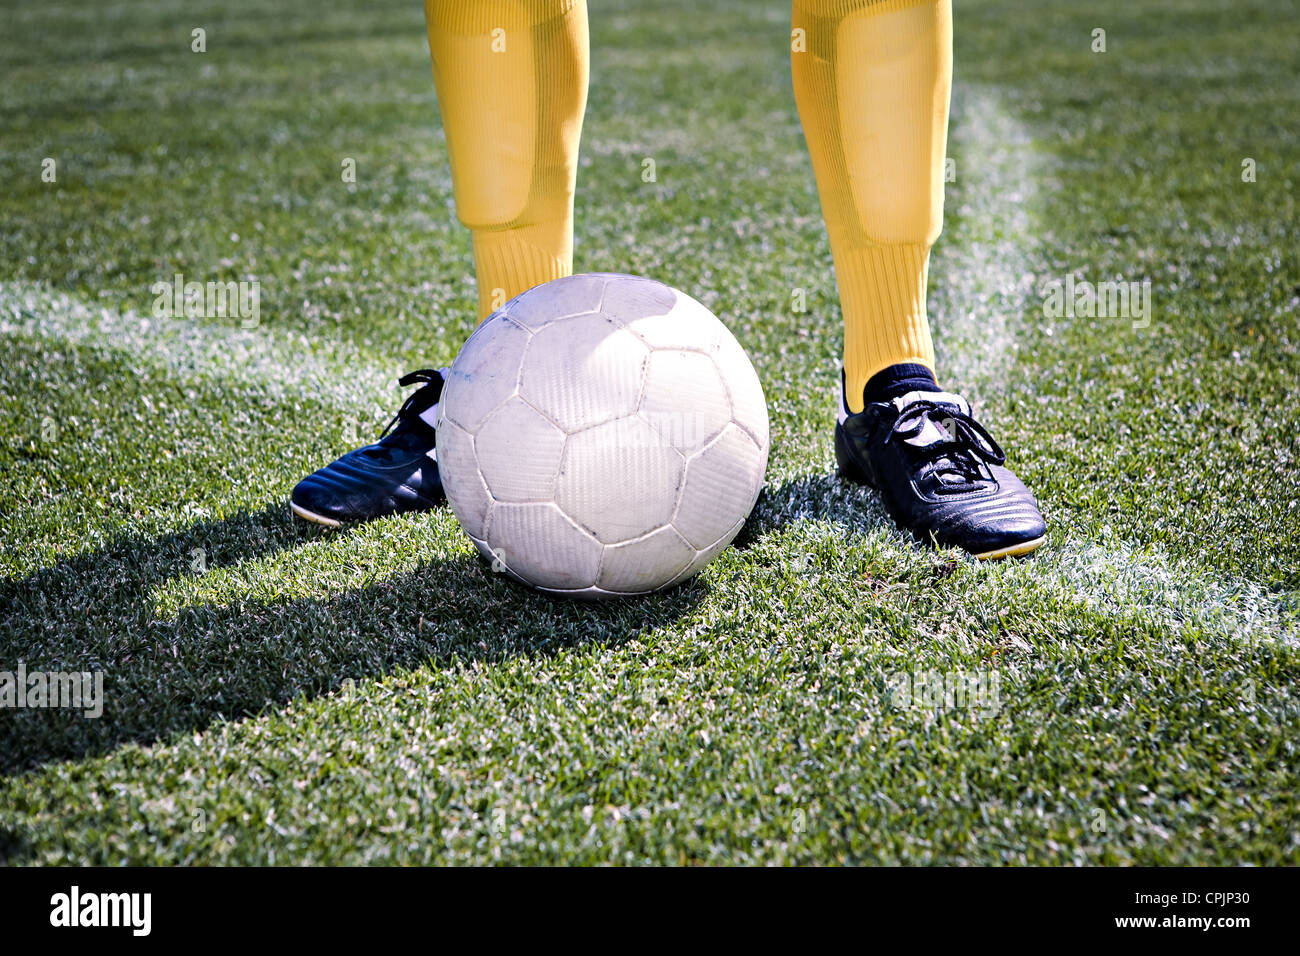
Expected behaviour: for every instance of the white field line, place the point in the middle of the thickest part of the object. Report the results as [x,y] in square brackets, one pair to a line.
[980,269]
[285,364]
[984,285]
[1114,578]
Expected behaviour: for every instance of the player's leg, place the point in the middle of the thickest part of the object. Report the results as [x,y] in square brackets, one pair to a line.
[872,80]
[511,77]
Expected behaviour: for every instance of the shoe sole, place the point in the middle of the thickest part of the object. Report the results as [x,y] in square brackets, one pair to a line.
[314,518]
[854,472]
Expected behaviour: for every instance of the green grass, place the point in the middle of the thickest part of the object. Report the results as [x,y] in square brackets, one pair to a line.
[379,695]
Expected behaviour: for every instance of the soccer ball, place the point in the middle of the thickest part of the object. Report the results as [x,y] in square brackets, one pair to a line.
[602,435]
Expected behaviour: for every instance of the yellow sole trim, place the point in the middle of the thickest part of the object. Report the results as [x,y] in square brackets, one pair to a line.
[311,516]
[1013,551]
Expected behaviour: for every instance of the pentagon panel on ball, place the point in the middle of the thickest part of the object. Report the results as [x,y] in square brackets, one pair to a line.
[602,435]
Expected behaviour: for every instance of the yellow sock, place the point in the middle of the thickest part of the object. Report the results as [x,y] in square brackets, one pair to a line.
[872,79]
[511,77]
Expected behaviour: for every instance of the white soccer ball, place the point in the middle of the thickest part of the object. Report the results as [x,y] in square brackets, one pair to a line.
[602,435]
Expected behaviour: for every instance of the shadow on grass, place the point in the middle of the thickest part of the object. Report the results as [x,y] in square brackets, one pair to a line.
[823,497]
[162,677]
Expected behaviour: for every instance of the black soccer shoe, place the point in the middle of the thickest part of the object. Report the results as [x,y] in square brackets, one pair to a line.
[940,474]
[398,473]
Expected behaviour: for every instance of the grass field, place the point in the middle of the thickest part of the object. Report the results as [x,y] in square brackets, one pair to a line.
[282,694]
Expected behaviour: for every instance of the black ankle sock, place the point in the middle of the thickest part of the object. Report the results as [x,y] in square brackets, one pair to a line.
[897,380]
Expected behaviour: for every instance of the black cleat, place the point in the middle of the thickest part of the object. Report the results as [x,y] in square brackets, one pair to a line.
[940,474]
[398,473]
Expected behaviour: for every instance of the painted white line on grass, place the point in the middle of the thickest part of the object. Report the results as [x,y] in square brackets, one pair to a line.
[1113,578]
[284,363]
[982,289]
[981,278]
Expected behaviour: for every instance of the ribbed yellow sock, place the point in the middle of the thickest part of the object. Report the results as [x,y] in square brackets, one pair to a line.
[872,80]
[511,77]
